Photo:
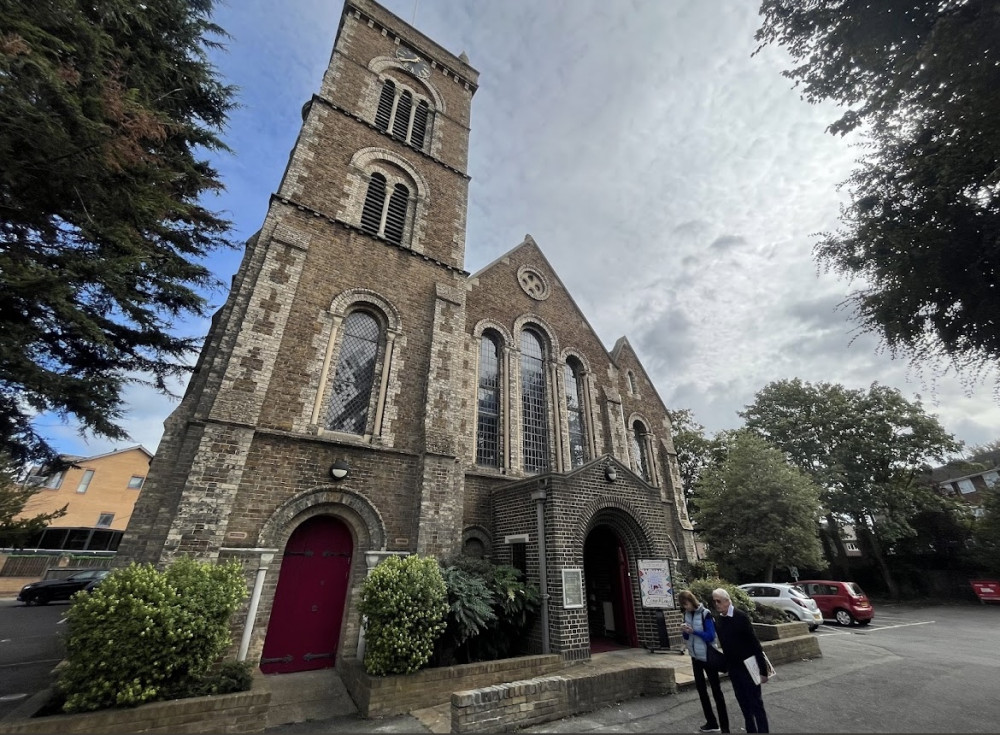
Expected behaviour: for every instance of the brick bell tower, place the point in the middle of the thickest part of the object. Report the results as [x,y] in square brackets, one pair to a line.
[340,341]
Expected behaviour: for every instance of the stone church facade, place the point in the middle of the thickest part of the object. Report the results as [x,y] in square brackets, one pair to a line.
[361,395]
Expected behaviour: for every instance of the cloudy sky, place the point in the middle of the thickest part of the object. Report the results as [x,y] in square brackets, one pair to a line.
[674,182]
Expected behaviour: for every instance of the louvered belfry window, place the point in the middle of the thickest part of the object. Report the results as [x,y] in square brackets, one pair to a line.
[401,115]
[419,124]
[355,375]
[384,114]
[371,214]
[395,217]
[488,414]
[574,415]
[639,450]
[534,411]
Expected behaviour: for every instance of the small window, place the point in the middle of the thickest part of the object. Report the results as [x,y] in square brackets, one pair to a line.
[519,558]
[104,520]
[85,481]
[135,482]
[631,383]
[966,486]
[54,481]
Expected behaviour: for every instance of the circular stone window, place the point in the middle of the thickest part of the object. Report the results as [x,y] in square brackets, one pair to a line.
[533,283]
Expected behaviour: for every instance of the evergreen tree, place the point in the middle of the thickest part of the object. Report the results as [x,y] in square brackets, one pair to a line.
[921,79]
[107,110]
[15,529]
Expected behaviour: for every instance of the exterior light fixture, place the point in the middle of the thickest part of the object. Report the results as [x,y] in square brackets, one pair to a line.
[339,470]
[609,472]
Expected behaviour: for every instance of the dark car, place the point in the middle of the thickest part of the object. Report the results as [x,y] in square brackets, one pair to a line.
[42,593]
[844,602]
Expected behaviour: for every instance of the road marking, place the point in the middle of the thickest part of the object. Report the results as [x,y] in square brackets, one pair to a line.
[12,697]
[5,640]
[901,625]
[29,663]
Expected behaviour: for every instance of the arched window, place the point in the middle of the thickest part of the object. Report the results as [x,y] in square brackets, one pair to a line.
[402,115]
[355,375]
[382,218]
[488,414]
[534,410]
[640,450]
[631,382]
[578,453]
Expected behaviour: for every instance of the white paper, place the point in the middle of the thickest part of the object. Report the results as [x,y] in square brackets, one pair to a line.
[753,668]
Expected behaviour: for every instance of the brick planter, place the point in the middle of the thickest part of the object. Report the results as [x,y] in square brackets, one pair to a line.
[382,696]
[767,632]
[243,712]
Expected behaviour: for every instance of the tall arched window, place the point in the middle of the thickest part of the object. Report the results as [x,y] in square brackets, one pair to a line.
[402,120]
[631,382]
[355,375]
[640,450]
[534,410]
[488,414]
[384,113]
[382,218]
[578,453]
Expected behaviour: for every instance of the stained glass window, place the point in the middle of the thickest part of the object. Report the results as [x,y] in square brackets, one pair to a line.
[355,376]
[574,415]
[488,421]
[534,411]
[640,451]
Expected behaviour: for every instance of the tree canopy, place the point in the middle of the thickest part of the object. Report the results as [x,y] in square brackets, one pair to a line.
[755,511]
[694,450]
[107,111]
[15,528]
[921,78]
[868,449]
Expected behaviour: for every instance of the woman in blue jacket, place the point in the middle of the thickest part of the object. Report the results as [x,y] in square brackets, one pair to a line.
[699,632]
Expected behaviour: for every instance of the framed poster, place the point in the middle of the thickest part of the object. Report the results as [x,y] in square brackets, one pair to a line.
[654,583]
[572,583]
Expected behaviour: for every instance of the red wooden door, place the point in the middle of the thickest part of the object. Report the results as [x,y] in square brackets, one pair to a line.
[625,597]
[304,628]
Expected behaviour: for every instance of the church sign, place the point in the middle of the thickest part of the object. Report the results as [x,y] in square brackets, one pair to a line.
[654,583]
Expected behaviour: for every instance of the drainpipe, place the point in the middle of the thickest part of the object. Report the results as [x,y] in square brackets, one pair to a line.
[539,497]
[258,584]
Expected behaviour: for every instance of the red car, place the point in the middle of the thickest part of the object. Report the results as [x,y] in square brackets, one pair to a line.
[844,602]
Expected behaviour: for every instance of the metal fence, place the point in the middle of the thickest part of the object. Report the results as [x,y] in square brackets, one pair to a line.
[48,565]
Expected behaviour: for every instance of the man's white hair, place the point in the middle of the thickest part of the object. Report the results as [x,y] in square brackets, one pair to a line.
[719,592]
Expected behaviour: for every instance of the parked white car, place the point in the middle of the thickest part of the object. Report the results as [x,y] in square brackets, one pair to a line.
[790,599]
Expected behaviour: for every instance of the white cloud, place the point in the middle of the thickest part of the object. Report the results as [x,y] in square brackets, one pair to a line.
[674,182]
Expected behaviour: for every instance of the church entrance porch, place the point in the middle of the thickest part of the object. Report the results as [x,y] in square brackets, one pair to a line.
[304,628]
[608,585]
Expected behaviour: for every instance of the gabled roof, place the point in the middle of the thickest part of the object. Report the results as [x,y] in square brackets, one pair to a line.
[76,458]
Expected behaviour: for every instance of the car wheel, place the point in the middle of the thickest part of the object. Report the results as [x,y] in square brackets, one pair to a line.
[791,617]
[843,617]
[863,623]
[42,599]
[813,628]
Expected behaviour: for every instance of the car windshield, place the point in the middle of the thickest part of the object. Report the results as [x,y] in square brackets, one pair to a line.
[855,590]
[797,592]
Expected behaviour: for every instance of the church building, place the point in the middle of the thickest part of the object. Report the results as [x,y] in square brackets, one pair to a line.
[360,394]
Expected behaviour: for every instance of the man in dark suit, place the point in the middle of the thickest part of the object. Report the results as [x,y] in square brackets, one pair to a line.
[739,642]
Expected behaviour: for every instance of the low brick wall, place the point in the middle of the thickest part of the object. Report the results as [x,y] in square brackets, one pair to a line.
[766,632]
[517,704]
[381,696]
[244,712]
[520,704]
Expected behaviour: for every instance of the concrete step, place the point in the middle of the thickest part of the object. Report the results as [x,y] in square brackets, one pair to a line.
[307,695]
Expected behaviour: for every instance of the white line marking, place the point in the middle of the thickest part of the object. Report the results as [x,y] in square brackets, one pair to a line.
[29,663]
[902,625]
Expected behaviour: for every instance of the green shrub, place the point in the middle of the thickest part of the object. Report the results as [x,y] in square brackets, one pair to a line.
[145,635]
[405,602]
[702,589]
[768,614]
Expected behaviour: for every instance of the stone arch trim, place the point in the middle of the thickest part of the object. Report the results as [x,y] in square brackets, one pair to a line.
[548,333]
[480,533]
[379,64]
[489,324]
[344,300]
[366,158]
[633,528]
[636,416]
[353,508]
[569,352]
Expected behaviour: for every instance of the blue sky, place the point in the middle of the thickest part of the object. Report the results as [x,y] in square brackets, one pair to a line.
[674,181]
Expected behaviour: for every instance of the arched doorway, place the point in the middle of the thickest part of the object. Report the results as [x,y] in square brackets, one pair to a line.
[304,629]
[610,610]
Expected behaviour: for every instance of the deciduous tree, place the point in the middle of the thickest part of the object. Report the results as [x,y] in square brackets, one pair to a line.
[756,511]
[108,109]
[867,449]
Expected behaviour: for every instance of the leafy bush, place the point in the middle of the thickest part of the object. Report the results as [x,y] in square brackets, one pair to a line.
[702,589]
[767,614]
[405,601]
[145,635]
[511,601]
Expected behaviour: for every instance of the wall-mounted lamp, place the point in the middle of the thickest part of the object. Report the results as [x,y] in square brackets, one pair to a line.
[339,470]
[609,472]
